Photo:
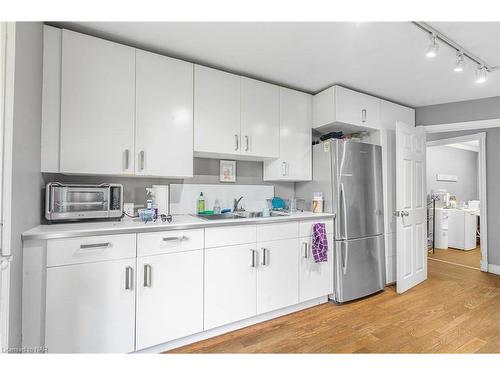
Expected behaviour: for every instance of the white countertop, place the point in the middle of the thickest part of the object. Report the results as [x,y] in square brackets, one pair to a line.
[127,225]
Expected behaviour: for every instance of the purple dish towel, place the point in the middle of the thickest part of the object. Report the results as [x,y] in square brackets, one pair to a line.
[319,243]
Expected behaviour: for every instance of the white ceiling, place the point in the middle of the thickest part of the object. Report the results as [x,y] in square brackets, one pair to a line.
[386,59]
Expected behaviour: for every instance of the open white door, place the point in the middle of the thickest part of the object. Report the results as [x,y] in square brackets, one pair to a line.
[411,205]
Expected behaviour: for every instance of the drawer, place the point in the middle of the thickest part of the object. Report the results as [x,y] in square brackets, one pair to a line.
[171,241]
[305,227]
[277,231]
[230,235]
[90,249]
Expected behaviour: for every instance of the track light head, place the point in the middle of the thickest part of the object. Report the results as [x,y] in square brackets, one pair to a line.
[460,62]
[481,74]
[433,48]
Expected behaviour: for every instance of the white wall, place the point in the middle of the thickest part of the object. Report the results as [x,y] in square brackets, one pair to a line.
[454,161]
[26,177]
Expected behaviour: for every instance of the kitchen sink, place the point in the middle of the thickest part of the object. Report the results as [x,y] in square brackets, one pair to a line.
[239,215]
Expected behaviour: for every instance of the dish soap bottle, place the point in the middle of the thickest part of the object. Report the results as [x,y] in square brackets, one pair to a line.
[217,208]
[201,203]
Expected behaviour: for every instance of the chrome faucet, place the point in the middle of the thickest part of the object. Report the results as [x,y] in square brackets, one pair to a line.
[236,203]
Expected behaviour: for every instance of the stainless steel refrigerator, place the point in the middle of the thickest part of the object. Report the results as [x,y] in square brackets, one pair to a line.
[349,174]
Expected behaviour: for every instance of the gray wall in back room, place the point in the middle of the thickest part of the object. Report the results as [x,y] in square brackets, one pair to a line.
[453,161]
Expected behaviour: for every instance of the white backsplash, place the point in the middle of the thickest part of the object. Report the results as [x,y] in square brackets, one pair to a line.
[184,197]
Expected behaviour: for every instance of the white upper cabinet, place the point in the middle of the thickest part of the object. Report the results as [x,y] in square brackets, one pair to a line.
[390,113]
[295,159]
[338,105]
[97,106]
[216,112]
[260,128]
[164,116]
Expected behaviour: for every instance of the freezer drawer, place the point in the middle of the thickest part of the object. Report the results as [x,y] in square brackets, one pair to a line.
[359,268]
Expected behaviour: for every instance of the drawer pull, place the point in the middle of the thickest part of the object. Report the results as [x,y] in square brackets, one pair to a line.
[95,245]
[147,275]
[129,275]
[176,238]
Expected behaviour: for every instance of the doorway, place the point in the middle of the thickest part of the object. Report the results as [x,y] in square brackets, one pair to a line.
[456,197]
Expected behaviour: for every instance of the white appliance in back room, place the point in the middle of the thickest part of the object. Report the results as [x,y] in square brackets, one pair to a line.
[349,174]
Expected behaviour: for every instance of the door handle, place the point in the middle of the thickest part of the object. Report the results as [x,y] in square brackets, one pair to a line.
[401,213]
[306,250]
[265,257]
[147,275]
[142,158]
[236,142]
[246,143]
[344,209]
[129,274]
[344,257]
[95,245]
[252,259]
[127,159]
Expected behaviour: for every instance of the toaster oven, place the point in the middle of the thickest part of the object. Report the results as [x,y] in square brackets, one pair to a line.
[80,202]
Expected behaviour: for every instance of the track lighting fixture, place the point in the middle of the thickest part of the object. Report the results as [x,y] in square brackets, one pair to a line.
[460,62]
[481,74]
[433,47]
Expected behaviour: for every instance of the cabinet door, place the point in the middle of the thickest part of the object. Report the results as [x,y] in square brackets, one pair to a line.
[216,112]
[164,116]
[169,297]
[259,119]
[90,308]
[316,279]
[97,106]
[355,108]
[295,161]
[230,284]
[278,275]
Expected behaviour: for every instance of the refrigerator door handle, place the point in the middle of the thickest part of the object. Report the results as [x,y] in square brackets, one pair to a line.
[345,254]
[344,210]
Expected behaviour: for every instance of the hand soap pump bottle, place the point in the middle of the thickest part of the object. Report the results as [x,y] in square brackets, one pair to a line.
[201,203]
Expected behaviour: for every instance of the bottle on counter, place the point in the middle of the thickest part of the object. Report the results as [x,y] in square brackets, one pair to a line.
[217,209]
[317,202]
[201,203]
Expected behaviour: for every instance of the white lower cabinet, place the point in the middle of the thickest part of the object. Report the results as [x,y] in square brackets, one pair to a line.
[315,279]
[230,284]
[90,308]
[277,276]
[169,297]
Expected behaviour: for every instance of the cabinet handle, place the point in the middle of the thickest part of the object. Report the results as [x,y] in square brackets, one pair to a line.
[95,245]
[127,159]
[236,142]
[246,143]
[306,250]
[147,275]
[177,238]
[283,168]
[142,157]
[363,115]
[129,274]
[252,260]
[265,257]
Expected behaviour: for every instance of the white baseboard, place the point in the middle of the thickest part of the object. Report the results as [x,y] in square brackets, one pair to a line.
[232,326]
[493,268]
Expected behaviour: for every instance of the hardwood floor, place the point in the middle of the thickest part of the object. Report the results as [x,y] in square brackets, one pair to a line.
[457,310]
[471,258]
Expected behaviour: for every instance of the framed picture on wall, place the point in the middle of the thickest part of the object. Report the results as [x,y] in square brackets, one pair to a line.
[227,171]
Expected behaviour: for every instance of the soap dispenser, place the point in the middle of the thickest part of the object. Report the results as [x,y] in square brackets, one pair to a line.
[201,203]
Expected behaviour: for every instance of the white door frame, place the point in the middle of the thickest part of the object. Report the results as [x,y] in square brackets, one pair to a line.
[481,137]
[7,66]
